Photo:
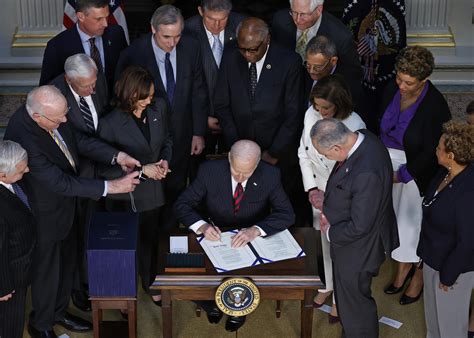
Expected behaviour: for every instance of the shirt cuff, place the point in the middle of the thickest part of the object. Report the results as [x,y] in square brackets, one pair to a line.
[403,175]
[106,185]
[195,226]
[262,233]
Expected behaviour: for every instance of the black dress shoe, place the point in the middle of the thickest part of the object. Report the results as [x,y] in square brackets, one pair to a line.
[34,333]
[214,315]
[74,323]
[405,300]
[80,299]
[234,323]
[392,289]
[157,302]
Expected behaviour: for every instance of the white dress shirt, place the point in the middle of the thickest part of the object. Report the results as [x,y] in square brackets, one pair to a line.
[259,64]
[87,47]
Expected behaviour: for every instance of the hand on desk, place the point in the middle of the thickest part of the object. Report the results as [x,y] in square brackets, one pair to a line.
[244,236]
[211,233]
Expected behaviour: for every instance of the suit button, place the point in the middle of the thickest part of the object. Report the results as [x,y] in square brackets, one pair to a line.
[314,176]
[307,148]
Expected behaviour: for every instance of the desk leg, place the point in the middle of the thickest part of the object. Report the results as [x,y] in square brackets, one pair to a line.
[96,319]
[307,314]
[132,318]
[166,311]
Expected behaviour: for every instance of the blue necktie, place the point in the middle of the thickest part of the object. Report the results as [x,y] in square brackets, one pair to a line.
[217,49]
[170,84]
[21,194]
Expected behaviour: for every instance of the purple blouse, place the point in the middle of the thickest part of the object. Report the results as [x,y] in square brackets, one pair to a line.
[394,124]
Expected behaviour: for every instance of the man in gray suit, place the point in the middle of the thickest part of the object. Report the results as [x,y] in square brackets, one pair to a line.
[357,218]
[215,29]
[85,90]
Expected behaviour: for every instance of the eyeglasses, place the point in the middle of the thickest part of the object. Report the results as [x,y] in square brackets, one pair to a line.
[315,68]
[54,121]
[251,50]
[303,16]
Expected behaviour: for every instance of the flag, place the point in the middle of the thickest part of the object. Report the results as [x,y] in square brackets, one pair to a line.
[379,30]
[116,17]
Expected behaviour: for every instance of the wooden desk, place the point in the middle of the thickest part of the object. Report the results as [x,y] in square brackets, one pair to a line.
[294,279]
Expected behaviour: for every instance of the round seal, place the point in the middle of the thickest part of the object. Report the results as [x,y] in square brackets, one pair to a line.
[237,297]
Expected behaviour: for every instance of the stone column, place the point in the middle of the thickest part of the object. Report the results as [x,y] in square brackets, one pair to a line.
[427,23]
[38,21]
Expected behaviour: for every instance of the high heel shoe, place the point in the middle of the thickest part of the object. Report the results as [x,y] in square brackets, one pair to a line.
[405,300]
[392,289]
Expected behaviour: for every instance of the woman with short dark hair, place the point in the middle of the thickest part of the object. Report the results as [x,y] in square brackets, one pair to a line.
[330,98]
[139,126]
[447,235]
[413,112]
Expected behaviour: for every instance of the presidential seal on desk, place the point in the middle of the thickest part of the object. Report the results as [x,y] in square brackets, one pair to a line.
[237,297]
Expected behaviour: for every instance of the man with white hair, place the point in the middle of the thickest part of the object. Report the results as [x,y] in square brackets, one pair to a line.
[241,192]
[17,239]
[52,186]
[85,90]
[174,61]
[357,218]
[305,19]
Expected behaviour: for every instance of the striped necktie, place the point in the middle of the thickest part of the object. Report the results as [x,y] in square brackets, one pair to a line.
[238,195]
[86,114]
[63,147]
[301,44]
[21,194]
[95,55]
[253,79]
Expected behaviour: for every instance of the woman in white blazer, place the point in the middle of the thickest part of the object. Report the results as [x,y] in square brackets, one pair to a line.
[330,98]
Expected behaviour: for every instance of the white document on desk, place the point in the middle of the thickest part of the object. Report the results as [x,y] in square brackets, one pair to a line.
[277,247]
[224,257]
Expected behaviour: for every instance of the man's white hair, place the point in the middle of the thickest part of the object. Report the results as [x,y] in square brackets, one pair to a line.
[80,65]
[313,4]
[39,97]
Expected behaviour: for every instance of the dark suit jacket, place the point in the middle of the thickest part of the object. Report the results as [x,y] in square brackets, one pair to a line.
[119,129]
[17,241]
[447,232]
[194,27]
[423,133]
[284,32]
[189,109]
[74,115]
[68,43]
[52,184]
[358,205]
[272,118]
[264,203]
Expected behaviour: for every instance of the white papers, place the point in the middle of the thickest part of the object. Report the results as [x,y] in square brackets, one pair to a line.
[325,308]
[178,244]
[277,247]
[390,322]
[224,257]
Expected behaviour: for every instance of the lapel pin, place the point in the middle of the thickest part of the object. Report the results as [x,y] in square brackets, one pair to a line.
[230,38]
[155,119]
[254,183]
[347,170]
[109,42]
[268,66]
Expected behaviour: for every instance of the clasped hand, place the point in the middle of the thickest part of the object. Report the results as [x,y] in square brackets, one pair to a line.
[157,171]
[316,198]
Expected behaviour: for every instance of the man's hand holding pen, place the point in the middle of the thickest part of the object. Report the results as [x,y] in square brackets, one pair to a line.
[210,231]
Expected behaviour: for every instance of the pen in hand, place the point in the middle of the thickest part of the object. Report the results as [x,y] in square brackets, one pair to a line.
[216,229]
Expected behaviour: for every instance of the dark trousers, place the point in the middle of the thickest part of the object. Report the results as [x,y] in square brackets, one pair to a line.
[147,248]
[54,264]
[12,315]
[355,305]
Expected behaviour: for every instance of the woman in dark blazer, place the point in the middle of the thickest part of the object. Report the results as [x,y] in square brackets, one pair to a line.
[413,111]
[17,240]
[140,127]
[447,235]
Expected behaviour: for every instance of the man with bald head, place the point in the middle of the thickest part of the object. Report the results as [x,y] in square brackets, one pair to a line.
[257,98]
[242,192]
[41,127]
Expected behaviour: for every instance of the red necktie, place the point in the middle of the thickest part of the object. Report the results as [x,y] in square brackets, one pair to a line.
[238,195]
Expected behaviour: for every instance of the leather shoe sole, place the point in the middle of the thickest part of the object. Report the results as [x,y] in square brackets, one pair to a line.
[74,323]
[41,334]
[234,323]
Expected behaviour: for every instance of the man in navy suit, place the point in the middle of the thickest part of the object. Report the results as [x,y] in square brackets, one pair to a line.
[53,147]
[263,208]
[92,36]
[257,97]
[174,61]
[357,218]
[215,29]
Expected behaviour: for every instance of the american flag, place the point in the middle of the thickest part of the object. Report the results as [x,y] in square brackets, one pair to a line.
[117,17]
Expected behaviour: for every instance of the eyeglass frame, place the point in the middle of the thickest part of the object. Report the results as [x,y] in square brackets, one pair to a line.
[55,122]
[316,68]
[302,15]
[251,50]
